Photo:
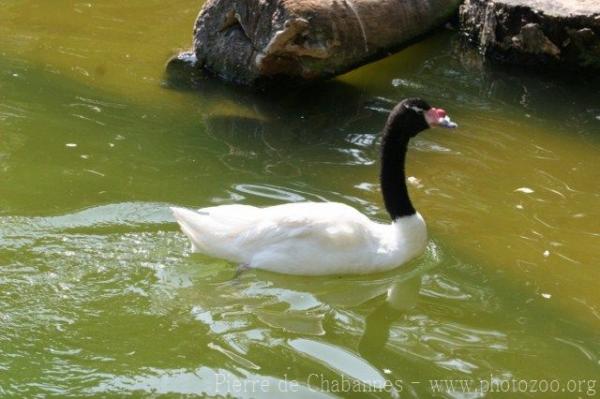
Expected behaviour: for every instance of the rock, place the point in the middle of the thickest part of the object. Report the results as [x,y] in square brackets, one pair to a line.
[256,41]
[553,33]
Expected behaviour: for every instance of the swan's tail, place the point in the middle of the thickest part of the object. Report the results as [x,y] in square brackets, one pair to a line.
[217,230]
[194,225]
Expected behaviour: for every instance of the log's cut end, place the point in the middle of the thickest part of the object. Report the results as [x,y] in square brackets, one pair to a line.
[551,33]
[249,41]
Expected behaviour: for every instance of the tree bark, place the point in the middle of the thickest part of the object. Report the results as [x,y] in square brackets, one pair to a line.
[252,41]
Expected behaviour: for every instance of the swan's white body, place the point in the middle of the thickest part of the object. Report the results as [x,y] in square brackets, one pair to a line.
[308,238]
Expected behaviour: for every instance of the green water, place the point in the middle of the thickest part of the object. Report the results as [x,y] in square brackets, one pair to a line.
[99,295]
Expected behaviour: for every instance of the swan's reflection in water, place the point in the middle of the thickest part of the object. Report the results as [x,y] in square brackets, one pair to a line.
[401,298]
[326,327]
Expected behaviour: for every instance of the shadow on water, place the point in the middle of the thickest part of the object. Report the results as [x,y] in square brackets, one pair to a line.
[285,132]
[544,95]
[317,107]
[456,75]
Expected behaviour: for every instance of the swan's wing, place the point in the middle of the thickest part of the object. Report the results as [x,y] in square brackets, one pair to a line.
[238,232]
[212,230]
[330,239]
[331,222]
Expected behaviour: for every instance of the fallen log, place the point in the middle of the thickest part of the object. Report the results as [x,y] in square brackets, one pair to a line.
[253,41]
[551,33]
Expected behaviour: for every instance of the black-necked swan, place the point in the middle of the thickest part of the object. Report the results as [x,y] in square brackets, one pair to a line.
[320,238]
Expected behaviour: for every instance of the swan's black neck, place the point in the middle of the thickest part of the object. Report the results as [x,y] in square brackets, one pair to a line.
[393,178]
[400,127]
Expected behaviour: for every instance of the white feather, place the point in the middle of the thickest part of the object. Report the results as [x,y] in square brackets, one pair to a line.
[308,238]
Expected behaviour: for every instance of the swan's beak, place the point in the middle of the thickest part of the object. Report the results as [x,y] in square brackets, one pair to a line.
[447,123]
[438,117]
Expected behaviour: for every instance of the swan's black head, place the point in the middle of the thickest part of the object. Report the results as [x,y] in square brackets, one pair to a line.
[413,115]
